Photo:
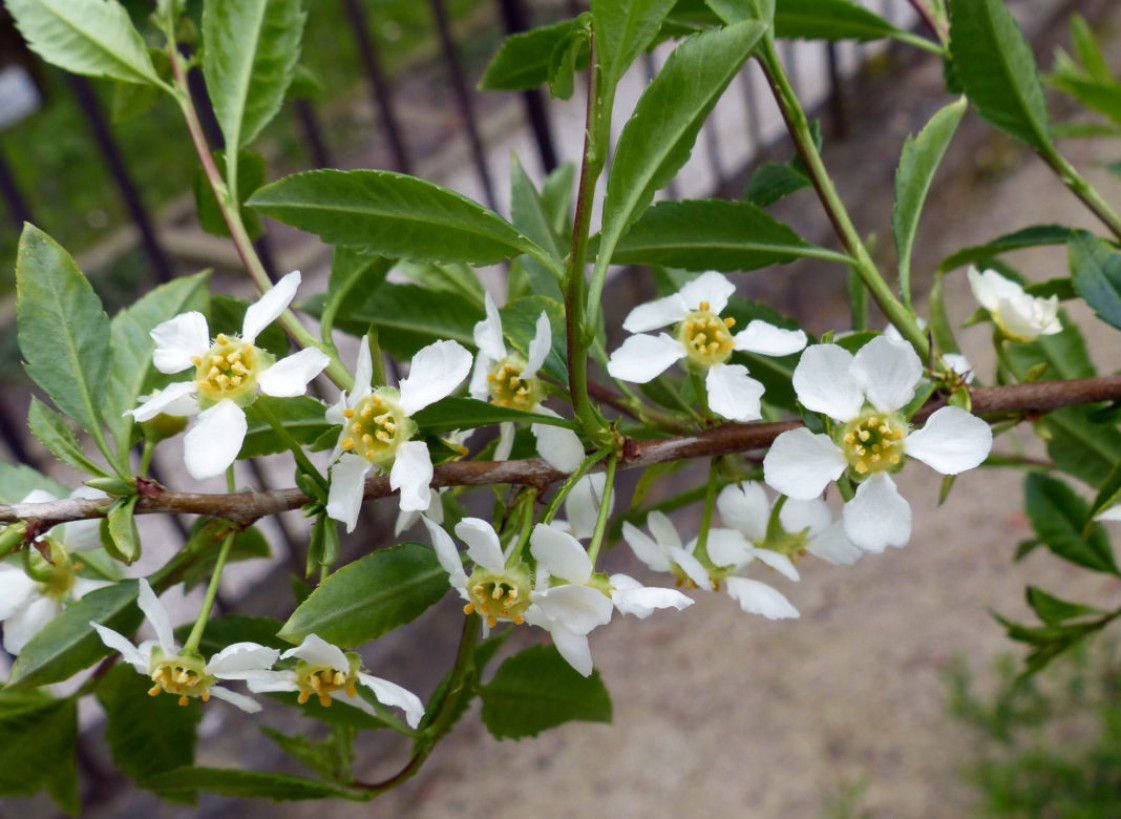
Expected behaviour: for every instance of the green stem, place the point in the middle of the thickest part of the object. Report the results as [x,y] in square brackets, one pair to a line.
[192,644]
[293,445]
[566,487]
[146,456]
[604,510]
[528,500]
[1082,189]
[706,517]
[798,126]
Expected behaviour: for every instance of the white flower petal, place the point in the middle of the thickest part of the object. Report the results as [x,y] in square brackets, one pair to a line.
[801,515]
[436,371]
[579,608]
[488,332]
[801,464]
[119,643]
[290,376]
[171,400]
[645,549]
[479,387]
[16,589]
[759,598]
[27,622]
[395,696]
[241,657]
[691,566]
[1113,513]
[158,617]
[746,508]
[733,393]
[348,485]
[711,287]
[573,647]
[988,287]
[766,339]
[960,365]
[656,314]
[412,474]
[728,547]
[833,546]
[951,441]
[317,651]
[83,535]
[246,704]
[211,445]
[663,530]
[878,516]
[506,435]
[483,546]
[888,370]
[539,347]
[642,358]
[631,597]
[560,554]
[266,682]
[581,507]
[268,308]
[560,447]
[363,373]
[779,562]
[824,383]
[178,340]
[1025,317]
[447,554]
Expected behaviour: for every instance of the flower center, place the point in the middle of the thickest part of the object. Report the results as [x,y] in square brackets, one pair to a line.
[873,442]
[183,676]
[706,336]
[509,389]
[376,427]
[498,597]
[228,370]
[321,680]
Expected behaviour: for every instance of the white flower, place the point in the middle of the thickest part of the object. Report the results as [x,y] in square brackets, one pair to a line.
[805,525]
[377,425]
[569,599]
[186,675]
[730,555]
[1110,514]
[324,671]
[957,363]
[864,394]
[1019,316]
[27,604]
[581,506]
[705,340]
[229,374]
[509,380]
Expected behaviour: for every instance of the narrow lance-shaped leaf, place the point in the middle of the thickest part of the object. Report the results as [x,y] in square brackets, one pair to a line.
[392,214]
[352,273]
[658,139]
[623,30]
[255,784]
[523,60]
[921,157]
[63,331]
[55,434]
[829,20]
[252,47]
[1095,266]
[995,65]
[1034,236]
[92,37]
[1057,515]
[454,412]
[735,11]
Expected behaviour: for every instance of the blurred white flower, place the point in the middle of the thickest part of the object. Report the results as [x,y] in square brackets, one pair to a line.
[1019,316]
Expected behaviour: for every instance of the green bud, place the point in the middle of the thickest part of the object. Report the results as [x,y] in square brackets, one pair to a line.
[113,486]
[162,426]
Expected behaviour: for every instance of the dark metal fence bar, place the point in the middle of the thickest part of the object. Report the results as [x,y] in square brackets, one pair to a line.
[379,86]
[18,210]
[464,98]
[87,101]
[536,107]
[836,93]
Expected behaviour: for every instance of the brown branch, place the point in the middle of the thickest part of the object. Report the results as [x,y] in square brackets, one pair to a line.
[247,507]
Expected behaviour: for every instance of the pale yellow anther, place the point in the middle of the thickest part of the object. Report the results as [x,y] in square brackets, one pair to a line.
[324,699]
[864,434]
[348,413]
[154,690]
[497,593]
[367,412]
[469,608]
[704,307]
[184,700]
[492,377]
[222,338]
[346,444]
[518,619]
[492,621]
[351,690]
[381,435]
[196,360]
[729,322]
[368,439]
[205,696]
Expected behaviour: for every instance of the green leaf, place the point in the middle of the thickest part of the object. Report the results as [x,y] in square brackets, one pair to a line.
[92,37]
[68,644]
[370,597]
[519,323]
[122,529]
[1107,495]
[531,216]
[17,480]
[467,413]
[37,738]
[146,735]
[1081,446]
[994,64]
[735,11]
[829,20]
[1052,610]
[772,181]
[1057,515]
[523,60]
[713,234]
[1034,236]
[131,370]
[252,173]
[252,784]
[1095,266]
[55,434]
[303,418]
[252,47]
[393,215]
[922,155]
[468,689]
[658,139]
[623,30]
[537,689]
[352,273]
[338,714]
[1064,353]
[63,331]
